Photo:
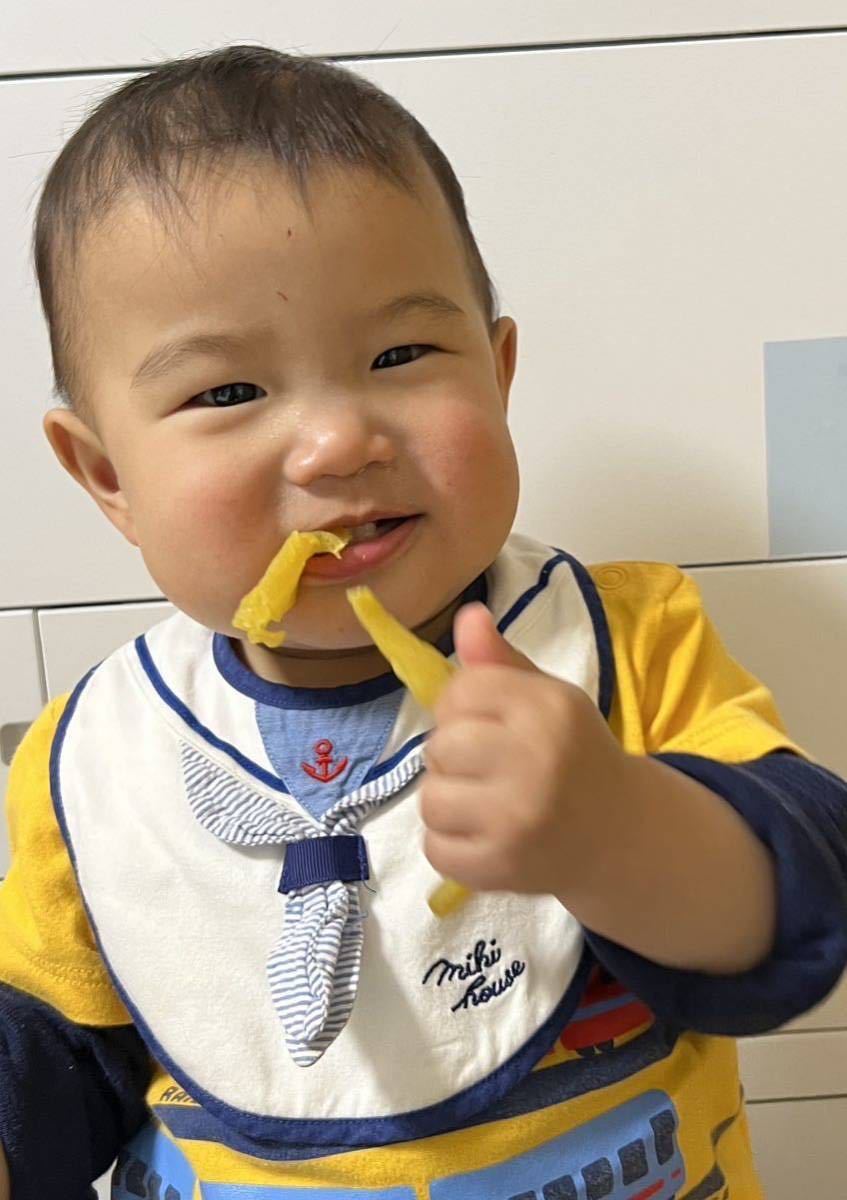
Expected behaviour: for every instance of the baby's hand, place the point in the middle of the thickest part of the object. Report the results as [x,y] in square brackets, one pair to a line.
[523,775]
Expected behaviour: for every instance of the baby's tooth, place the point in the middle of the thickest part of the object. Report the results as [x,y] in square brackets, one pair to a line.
[363,533]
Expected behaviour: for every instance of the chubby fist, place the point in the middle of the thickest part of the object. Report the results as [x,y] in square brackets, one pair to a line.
[523,775]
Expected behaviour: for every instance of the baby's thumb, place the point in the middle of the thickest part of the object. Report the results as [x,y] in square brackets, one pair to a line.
[479,642]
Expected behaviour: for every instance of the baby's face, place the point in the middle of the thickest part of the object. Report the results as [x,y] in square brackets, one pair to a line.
[339,372]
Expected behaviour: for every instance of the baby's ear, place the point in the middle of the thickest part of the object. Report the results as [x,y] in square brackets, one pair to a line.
[504,343]
[82,454]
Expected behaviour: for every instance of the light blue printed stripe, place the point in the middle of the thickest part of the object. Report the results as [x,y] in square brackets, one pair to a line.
[151,1165]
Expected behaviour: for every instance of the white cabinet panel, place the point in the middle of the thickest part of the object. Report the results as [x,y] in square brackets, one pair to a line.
[650,219]
[641,224]
[779,1066]
[21,698]
[799,1147]
[75,639]
[787,623]
[832,1014]
[57,548]
[44,36]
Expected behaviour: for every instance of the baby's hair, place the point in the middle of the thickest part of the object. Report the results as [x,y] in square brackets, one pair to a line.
[160,131]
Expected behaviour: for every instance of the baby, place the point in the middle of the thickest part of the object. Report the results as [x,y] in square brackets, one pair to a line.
[268,313]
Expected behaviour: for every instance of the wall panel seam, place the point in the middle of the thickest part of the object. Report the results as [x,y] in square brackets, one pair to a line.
[365,56]
[39,657]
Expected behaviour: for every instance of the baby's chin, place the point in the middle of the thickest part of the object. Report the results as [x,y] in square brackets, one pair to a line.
[322,622]
[311,666]
[323,648]
[316,638]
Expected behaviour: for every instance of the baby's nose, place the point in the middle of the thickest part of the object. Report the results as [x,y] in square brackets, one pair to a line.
[341,442]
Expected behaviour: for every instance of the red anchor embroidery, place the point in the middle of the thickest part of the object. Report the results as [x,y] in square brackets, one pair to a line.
[324,772]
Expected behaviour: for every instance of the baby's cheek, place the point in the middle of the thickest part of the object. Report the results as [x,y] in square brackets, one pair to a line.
[472,453]
[210,506]
[208,525]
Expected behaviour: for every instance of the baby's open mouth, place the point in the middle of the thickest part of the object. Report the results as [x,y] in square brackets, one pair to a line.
[371,544]
[372,530]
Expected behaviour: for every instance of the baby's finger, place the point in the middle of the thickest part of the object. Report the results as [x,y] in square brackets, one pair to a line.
[466,748]
[452,806]
[477,691]
[466,860]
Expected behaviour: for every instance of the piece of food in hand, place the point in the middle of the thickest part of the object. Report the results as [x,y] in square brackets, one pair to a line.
[425,671]
[448,897]
[276,592]
[422,668]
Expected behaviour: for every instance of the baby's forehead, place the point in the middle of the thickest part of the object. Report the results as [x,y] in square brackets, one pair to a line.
[258,207]
[179,211]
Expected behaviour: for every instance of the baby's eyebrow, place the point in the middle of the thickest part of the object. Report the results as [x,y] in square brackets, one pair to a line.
[169,355]
[433,302]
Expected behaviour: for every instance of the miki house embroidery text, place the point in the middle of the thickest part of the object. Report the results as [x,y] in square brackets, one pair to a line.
[474,975]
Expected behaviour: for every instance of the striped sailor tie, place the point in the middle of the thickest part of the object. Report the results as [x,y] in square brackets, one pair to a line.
[313,970]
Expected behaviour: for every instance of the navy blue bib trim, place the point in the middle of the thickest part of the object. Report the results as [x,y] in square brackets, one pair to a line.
[360,1131]
[605,653]
[272,781]
[593,603]
[536,1091]
[281,695]
[182,710]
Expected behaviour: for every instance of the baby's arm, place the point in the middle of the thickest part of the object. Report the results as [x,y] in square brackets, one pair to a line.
[73,1069]
[705,858]
[627,844]
[4,1177]
[70,1096]
[684,706]
[688,883]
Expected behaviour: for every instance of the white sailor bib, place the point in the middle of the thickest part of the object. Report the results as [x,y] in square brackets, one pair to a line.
[286,970]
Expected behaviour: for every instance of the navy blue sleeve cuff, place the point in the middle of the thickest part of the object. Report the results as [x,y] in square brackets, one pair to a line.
[799,811]
[70,1096]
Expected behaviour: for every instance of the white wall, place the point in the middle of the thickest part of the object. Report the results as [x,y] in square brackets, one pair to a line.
[659,189]
[41,36]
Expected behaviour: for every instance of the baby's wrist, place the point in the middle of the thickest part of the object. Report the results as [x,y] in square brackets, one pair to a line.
[605,839]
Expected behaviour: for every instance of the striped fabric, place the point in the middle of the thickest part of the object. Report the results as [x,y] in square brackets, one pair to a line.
[313,969]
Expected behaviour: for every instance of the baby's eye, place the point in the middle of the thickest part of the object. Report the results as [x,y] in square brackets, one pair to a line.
[398,356]
[227,394]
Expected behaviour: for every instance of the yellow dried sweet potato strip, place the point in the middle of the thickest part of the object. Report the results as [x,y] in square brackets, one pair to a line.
[448,897]
[425,671]
[276,592]
[422,668]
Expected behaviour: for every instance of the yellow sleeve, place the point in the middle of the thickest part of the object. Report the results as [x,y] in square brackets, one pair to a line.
[46,945]
[677,690]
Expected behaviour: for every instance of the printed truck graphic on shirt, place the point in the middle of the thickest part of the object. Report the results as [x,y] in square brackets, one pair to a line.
[630,1153]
